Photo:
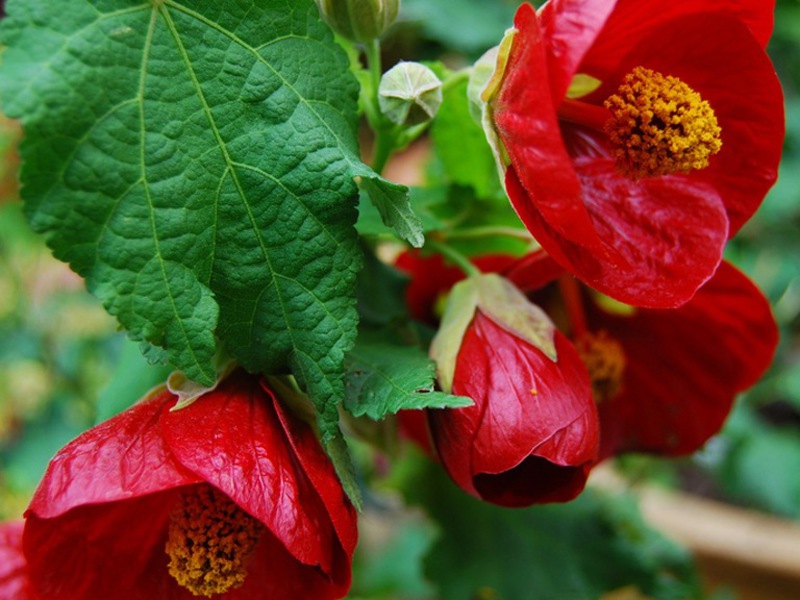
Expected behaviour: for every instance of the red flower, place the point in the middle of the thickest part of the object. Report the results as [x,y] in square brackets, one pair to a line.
[639,135]
[14,583]
[685,366]
[532,433]
[232,496]
[665,380]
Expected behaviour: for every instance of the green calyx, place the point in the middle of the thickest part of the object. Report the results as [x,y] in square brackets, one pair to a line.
[500,301]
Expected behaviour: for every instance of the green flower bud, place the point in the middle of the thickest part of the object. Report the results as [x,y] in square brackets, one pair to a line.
[409,94]
[359,20]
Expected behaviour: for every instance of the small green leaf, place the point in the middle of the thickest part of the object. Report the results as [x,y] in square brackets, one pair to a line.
[392,202]
[384,377]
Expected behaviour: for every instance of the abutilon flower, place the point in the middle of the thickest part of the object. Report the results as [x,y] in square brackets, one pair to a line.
[664,380]
[231,497]
[14,582]
[637,136]
[532,433]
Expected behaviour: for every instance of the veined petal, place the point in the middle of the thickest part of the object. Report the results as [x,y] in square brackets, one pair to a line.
[233,439]
[675,397]
[122,458]
[669,233]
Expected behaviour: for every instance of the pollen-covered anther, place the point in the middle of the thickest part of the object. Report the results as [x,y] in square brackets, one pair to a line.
[659,125]
[604,358]
[210,541]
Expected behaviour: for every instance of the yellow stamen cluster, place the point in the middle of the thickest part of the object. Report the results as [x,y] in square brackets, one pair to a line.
[604,358]
[210,541]
[660,125]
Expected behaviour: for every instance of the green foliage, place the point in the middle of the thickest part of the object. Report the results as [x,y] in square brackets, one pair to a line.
[461,145]
[388,564]
[761,465]
[384,376]
[576,551]
[470,26]
[187,166]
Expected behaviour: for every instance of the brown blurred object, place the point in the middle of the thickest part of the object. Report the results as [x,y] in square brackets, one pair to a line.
[753,554]
[10,134]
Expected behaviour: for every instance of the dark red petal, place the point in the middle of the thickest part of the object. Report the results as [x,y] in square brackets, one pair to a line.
[634,21]
[719,67]
[525,116]
[321,474]
[525,405]
[109,550]
[534,271]
[669,231]
[276,575]
[234,439]
[430,278]
[569,28]
[14,582]
[122,458]
[685,366]
[513,488]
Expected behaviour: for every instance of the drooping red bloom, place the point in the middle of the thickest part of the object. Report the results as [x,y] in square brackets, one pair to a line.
[14,582]
[640,135]
[665,379]
[232,496]
[532,433]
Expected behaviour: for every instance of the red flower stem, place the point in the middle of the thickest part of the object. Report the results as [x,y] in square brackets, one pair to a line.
[573,302]
[583,113]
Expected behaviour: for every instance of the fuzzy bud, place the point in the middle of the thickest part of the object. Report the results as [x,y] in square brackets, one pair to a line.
[359,20]
[410,94]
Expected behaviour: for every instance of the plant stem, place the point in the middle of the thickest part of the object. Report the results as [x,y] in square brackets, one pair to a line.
[573,302]
[456,78]
[384,131]
[454,256]
[490,231]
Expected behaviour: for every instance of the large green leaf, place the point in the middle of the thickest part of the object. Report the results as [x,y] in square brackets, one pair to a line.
[194,162]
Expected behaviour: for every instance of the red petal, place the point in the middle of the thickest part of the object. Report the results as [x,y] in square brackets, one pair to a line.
[122,458]
[525,116]
[525,405]
[276,575]
[320,472]
[752,120]
[569,28]
[634,21]
[234,439]
[685,366]
[14,583]
[110,550]
[669,232]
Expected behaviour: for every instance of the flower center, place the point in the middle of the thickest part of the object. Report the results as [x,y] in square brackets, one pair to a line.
[210,541]
[605,360]
[659,125]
